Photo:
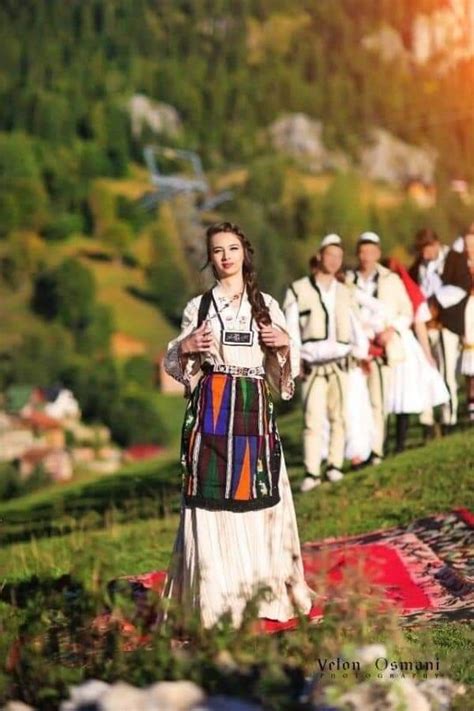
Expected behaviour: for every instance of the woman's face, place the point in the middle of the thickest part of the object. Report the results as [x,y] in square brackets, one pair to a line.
[227,254]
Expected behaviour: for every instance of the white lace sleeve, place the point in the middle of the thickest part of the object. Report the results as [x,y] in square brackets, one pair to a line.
[182,367]
[282,368]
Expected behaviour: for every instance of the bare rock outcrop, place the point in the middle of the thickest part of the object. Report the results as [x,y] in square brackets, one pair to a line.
[301,137]
[386,157]
[161,118]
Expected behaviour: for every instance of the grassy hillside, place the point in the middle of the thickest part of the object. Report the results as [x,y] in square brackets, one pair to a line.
[430,480]
[117,285]
[421,481]
[118,525]
[134,317]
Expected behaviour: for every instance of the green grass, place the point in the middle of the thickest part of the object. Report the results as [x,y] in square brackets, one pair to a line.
[421,481]
[416,483]
[140,490]
[117,549]
[126,524]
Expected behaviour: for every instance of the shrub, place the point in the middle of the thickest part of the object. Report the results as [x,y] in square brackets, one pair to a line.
[30,199]
[134,420]
[64,225]
[266,180]
[167,275]
[40,357]
[118,235]
[27,251]
[139,369]
[102,205]
[95,336]
[12,485]
[67,293]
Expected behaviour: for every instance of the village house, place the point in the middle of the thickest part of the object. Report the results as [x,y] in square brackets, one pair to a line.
[61,404]
[48,429]
[141,452]
[57,463]
[15,438]
[42,427]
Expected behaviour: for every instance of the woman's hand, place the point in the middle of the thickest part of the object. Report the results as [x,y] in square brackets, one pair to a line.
[274,337]
[198,341]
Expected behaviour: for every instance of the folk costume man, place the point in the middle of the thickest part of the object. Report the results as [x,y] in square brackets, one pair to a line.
[317,310]
[385,311]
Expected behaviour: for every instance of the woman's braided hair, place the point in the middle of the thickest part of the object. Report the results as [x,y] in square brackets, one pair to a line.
[260,310]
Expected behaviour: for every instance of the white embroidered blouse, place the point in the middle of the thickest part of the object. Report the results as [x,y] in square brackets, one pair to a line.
[280,369]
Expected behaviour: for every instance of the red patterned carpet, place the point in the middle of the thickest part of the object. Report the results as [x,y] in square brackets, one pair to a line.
[424,571]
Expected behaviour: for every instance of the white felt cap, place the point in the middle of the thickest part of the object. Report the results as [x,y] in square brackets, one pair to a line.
[330,239]
[458,244]
[369,237]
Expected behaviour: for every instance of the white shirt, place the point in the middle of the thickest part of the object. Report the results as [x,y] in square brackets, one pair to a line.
[239,355]
[367,284]
[381,316]
[317,351]
[372,313]
[430,273]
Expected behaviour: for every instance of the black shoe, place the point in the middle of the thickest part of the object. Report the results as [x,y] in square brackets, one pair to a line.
[429,433]
[375,459]
[402,422]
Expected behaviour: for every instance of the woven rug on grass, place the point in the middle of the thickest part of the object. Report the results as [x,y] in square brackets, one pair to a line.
[425,570]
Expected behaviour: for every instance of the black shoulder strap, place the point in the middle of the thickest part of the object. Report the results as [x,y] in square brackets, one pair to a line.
[204,307]
[376,280]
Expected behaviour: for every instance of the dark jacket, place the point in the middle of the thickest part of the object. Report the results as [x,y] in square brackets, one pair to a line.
[414,270]
[456,272]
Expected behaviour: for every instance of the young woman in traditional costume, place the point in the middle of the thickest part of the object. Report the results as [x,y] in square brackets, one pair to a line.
[238,531]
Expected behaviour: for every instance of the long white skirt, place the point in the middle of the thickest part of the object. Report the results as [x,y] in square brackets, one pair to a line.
[467,357]
[359,420]
[360,429]
[415,384]
[221,559]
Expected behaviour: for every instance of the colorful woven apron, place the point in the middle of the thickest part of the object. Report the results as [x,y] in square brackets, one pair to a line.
[230,447]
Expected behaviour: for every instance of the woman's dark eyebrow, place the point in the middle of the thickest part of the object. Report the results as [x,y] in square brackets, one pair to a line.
[234,244]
